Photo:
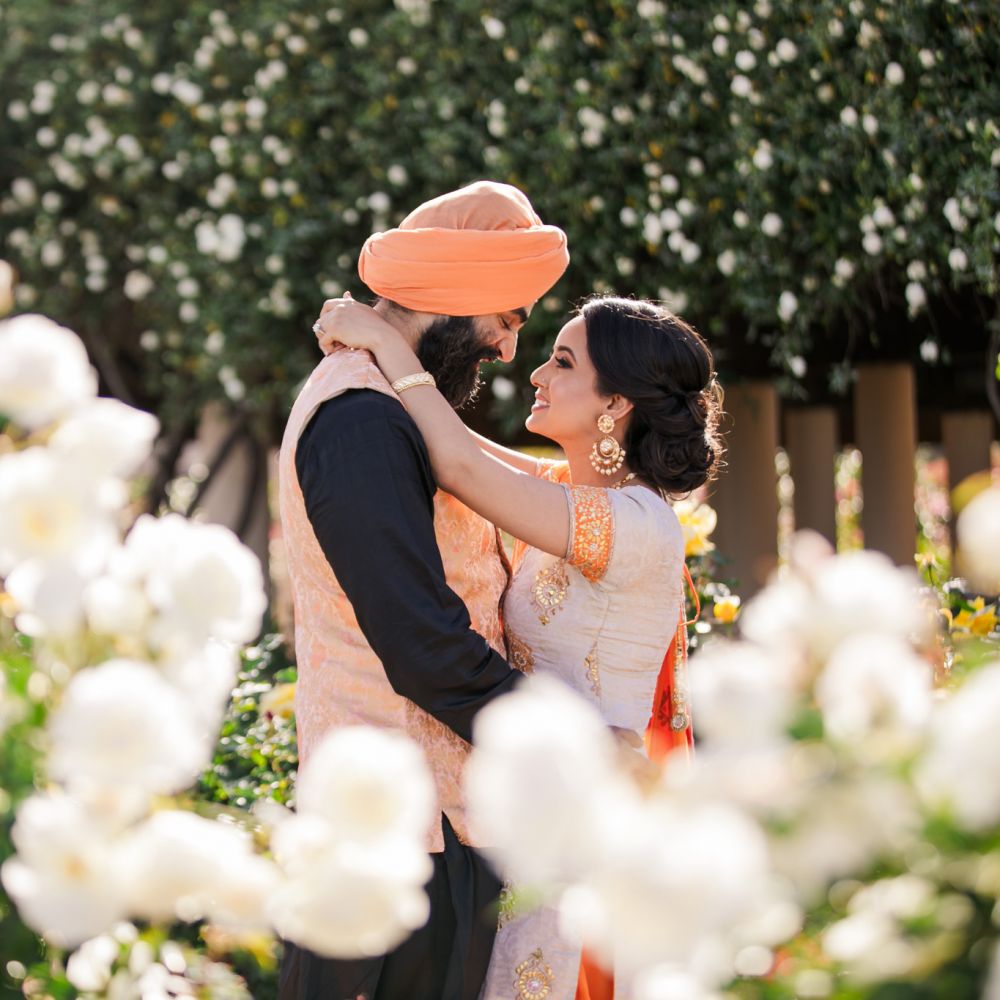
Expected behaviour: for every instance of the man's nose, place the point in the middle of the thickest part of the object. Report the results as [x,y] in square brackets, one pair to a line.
[506,345]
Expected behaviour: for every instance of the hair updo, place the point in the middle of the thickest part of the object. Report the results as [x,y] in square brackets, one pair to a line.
[663,367]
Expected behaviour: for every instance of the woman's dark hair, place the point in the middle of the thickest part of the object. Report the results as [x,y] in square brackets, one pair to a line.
[663,367]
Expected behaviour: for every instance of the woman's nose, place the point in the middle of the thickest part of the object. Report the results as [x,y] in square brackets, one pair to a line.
[536,377]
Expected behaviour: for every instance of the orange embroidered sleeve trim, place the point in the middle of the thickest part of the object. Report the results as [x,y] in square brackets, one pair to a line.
[592,531]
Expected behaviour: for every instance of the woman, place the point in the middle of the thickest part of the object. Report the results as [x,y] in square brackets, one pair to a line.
[630,395]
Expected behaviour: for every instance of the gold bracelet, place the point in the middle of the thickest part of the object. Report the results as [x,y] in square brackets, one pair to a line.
[409,381]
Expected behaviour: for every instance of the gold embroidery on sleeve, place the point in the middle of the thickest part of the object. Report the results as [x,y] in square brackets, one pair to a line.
[533,978]
[593,531]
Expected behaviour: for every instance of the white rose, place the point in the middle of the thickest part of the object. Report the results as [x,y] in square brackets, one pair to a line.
[538,829]
[49,597]
[894,74]
[741,695]
[138,285]
[368,784]
[978,532]
[64,879]
[122,725]
[179,865]
[957,259]
[201,580]
[771,224]
[44,371]
[48,512]
[788,306]
[961,768]
[89,967]
[875,687]
[343,900]
[105,437]
[726,262]
[916,297]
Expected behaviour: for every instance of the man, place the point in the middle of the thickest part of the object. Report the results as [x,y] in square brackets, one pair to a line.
[397,585]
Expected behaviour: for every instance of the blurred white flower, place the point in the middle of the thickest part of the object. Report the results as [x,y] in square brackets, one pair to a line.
[106,437]
[953,213]
[869,123]
[89,967]
[48,595]
[786,50]
[978,533]
[494,28]
[771,224]
[49,513]
[44,371]
[200,579]
[539,830]
[147,738]
[874,687]
[843,270]
[882,216]
[177,865]
[346,900]
[894,74]
[368,784]
[872,243]
[64,879]
[849,117]
[961,769]
[957,259]
[741,85]
[726,262]
[788,306]
[745,60]
[742,695]
[916,297]
[710,859]
[762,158]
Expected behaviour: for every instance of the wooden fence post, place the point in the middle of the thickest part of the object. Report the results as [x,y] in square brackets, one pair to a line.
[811,438]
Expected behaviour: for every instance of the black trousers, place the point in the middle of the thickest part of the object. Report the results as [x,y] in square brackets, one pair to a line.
[446,959]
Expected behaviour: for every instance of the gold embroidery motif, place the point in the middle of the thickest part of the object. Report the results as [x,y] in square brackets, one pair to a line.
[593,531]
[519,654]
[549,590]
[590,662]
[534,978]
[680,715]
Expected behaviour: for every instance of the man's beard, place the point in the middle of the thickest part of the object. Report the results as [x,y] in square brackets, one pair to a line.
[452,349]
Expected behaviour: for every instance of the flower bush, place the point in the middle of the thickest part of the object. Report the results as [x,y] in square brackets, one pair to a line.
[119,642]
[835,835]
[187,181]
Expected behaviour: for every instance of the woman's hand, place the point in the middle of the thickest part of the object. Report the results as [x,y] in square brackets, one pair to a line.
[347,321]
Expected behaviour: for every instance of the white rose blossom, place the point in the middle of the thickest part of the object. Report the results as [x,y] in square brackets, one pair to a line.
[148,739]
[44,371]
[961,769]
[978,533]
[65,877]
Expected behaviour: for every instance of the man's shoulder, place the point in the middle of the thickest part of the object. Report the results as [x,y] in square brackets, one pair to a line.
[359,405]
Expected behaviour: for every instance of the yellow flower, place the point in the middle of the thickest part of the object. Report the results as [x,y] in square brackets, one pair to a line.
[984,623]
[725,609]
[980,621]
[697,522]
[279,701]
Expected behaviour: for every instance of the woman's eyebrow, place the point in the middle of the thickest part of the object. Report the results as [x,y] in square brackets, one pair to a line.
[567,350]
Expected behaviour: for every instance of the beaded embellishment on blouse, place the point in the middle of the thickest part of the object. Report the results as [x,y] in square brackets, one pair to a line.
[534,978]
[590,662]
[549,590]
[519,654]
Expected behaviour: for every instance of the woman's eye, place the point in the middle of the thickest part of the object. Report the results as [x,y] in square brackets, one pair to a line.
[563,363]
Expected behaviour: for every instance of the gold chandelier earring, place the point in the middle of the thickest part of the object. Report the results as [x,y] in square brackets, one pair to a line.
[606,455]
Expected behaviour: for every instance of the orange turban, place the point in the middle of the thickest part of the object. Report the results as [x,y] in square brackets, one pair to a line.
[472,252]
